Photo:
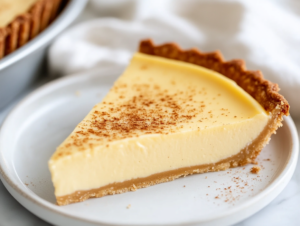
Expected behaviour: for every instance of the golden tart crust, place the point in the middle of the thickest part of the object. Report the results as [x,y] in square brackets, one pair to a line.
[27,25]
[265,92]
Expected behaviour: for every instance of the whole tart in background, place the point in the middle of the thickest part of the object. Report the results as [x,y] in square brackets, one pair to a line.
[22,20]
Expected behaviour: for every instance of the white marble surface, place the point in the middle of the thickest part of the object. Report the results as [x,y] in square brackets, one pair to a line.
[284,210]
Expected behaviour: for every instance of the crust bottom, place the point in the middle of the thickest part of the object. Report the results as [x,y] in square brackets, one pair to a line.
[245,156]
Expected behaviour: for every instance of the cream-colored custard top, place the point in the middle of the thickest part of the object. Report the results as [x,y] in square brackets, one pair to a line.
[9,9]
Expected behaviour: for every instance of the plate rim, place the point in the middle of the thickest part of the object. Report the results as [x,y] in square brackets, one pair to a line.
[32,198]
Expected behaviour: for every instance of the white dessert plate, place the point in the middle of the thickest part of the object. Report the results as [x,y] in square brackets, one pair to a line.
[45,118]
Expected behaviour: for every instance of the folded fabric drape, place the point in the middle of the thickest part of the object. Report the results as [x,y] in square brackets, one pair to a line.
[265,34]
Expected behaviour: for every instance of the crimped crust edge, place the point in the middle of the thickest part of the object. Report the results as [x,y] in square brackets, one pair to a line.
[263,91]
[27,25]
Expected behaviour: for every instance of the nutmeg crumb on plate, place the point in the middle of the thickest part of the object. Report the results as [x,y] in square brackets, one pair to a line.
[255,169]
[128,207]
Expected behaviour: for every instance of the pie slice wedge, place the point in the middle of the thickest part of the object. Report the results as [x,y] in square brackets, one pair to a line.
[170,114]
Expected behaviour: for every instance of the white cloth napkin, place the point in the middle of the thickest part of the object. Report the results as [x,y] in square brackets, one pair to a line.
[264,33]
